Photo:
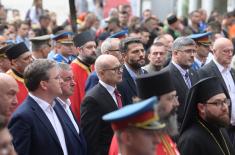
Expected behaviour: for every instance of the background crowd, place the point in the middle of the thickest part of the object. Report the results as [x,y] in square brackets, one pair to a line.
[91,92]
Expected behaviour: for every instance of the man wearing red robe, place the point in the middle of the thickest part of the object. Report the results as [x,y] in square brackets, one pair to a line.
[82,67]
[20,57]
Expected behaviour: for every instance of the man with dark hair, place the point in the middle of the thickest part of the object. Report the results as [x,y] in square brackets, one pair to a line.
[37,127]
[157,57]
[220,67]
[23,34]
[64,47]
[202,131]
[44,21]
[183,50]
[133,54]
[202,49]
[20,57]
[82,66]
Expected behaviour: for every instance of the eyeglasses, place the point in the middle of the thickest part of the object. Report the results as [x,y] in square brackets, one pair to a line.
[188,51]
[227,51]
[116,69]
[220,103]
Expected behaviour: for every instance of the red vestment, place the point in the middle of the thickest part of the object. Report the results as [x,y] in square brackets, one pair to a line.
[23,91]
[80,72]
[166,147]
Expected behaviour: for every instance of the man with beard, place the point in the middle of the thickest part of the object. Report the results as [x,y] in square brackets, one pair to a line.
[159,84]
[202,131]
[183,50]
[132,50]
[220,67]
[202,49]
[20,57]
[82,67]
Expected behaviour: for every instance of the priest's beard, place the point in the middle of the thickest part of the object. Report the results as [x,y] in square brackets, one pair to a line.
[221,120]
[89,59]
[170,120]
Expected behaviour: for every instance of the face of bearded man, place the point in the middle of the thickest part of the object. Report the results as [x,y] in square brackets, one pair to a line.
[167,112]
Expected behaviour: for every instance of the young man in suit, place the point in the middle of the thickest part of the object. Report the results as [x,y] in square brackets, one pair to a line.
[63,107]
[35,126]
[220,67]
[101,99]
[132,50]
[183,50]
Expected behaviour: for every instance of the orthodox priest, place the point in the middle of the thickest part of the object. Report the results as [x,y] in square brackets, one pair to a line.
[206,115]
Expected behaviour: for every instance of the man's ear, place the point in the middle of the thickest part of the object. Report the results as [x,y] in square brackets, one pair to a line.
[201,109]
[43,85]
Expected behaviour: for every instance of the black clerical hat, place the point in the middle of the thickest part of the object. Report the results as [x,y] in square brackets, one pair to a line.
[155,84]
[82,38]
[16,50]
[200,93]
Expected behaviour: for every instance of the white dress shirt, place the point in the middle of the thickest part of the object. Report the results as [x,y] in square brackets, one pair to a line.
[228,79]
[110,89]
[66,106]
[51,115]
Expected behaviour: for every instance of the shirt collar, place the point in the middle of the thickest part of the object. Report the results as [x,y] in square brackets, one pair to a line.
[109,88]
[42,103]
[198,62]
[66,103]
[182,71]
[133,74]
[220,67]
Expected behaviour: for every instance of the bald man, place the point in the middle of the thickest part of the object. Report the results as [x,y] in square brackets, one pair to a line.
[220,67]
[8,100]
[101,99]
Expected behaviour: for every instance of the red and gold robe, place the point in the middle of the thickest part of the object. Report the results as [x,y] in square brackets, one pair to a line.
[166,147]
[81,73]
[23,91]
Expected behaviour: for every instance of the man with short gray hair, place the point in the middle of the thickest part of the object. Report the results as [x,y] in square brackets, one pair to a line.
[109,46]
[183,50]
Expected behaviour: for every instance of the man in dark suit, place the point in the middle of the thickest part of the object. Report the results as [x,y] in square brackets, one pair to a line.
[63,108]
[101,99]
[35,126]
[183,77]
[220,67]
[133,53]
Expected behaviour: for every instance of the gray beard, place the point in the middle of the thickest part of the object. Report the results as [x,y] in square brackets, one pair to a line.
[171,125]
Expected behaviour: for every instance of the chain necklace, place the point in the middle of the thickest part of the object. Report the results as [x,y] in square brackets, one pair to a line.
[212,135]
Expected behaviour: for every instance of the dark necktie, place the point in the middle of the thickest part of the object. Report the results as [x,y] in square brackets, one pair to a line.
[187,79]
[118,97]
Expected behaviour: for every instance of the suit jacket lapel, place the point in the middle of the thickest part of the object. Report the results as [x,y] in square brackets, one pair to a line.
[129,79]
[216,70]
[64,116]
[43,118]
[106,96]
[178,76]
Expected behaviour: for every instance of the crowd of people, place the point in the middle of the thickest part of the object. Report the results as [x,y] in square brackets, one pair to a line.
[123,85]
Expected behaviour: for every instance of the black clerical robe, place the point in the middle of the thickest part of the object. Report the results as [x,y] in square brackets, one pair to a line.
[204,139]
